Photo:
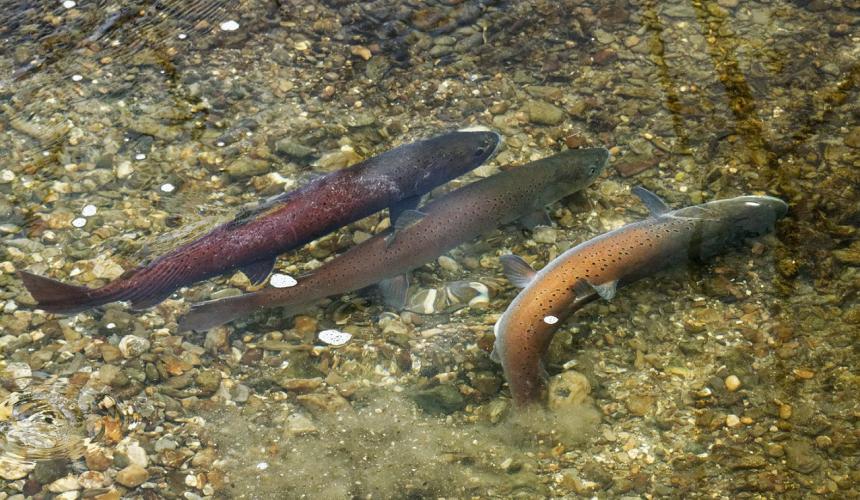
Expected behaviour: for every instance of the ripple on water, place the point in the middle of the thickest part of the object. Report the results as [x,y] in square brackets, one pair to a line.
[49,417]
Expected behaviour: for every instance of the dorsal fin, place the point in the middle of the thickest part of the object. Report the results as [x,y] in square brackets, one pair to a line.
[655,204]
[518,271]
[406,219]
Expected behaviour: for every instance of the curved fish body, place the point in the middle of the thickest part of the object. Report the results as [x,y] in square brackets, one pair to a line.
[420,236]
[598,266]
[251,243]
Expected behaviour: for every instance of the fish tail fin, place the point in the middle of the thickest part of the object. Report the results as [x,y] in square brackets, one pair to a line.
[58,297]
[212,313]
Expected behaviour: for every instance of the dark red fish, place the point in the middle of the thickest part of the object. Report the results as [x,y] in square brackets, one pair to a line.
[418,237]
[394,179]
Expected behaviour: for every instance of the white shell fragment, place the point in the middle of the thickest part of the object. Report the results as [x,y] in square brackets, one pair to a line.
[550,320]
[230,25]
[334,337]
[279,280]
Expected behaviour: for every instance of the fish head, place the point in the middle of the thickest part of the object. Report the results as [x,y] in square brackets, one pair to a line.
[473,146]
[569,171]
[748,216]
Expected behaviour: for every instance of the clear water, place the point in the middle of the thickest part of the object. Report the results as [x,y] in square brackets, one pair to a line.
[128,128]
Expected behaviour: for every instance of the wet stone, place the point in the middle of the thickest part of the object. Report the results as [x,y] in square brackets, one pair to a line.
[640,404]
[442,399]
[545,234]
[208,381]
[47,471]
[543,113]
[245,167]
[293,149]
[133,346]
[568,389]
[852,138]
[132,476]
[800,456]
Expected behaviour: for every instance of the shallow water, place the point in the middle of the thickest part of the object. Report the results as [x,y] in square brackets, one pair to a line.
[129,128]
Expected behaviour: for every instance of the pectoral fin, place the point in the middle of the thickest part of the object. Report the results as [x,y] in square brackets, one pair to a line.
[406,219]
[606,290]
[537,218]
[518,271]
[258,271]
[655,204]
[394,291]
[396,210]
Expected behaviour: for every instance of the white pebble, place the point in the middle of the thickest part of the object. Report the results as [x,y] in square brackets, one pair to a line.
[79,222]
[229,25]
[262,466]
[7,176]
[334,337]
[89,210]
[140,156]
[732,421]
[550,320]
[279,280]
[168,187]
[77,78]
[69,4]
[182,36]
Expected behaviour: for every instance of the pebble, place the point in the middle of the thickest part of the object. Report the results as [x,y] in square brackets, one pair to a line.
[300,425]
[800,456]
[361,51]
[442,399]
[93,479]
[568,390]
[852,138]
[68,483]
[132,476]
[543,113]
[132,346]
[732,420]
[448,264]
[246,167]
[732,383]
[545,234]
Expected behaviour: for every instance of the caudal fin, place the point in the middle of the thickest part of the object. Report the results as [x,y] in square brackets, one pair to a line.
[58,297]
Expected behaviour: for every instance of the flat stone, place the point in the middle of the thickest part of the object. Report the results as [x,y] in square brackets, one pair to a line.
[800,456]
[132,476]
[543,113]
[246,167]
[442,399]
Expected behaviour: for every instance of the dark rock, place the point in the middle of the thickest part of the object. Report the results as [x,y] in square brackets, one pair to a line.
[442,399]
[801,456]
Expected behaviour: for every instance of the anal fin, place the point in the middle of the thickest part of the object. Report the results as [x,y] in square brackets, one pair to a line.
[537,218]
[394,291]
[396,210]
[406,219]
[258,271]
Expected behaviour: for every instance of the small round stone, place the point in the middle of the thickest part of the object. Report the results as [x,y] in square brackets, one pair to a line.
[168,187]
[69,4]
[89,210]
[733,383]
[140,156]
[732,420]
[79,222]
[77,78]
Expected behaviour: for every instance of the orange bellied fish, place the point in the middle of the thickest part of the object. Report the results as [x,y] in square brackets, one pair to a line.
[420,236]
[595,268]
[251,243]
